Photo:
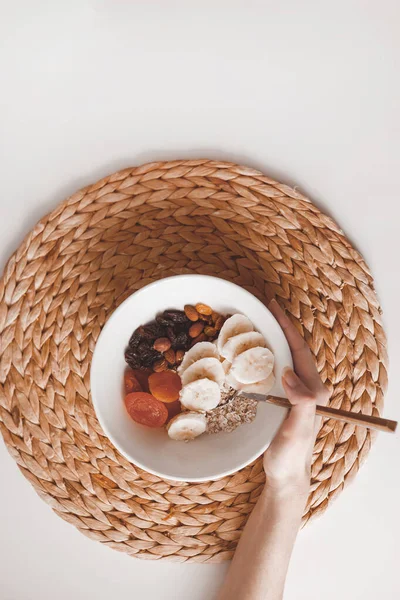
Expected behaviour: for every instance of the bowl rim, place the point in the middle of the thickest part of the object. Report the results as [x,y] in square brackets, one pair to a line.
[99,415]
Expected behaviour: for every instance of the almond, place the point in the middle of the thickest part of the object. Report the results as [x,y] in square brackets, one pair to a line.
[200,338]
[169,356]
[196,329]
[162,344]
[207,319]
[203,309]
[219,322]
[160,365]
[191,312]
[210,331]
[179,356]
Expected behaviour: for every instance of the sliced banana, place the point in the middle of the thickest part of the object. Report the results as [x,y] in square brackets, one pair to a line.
[233,326]
[261,387]
[253,365]
[209,368]
[187,426]
[198,351]
[233,382]
[200,395]
[226,365]
[240,343]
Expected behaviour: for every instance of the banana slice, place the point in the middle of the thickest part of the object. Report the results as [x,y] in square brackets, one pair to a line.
[233,326]
[187,426]
[200,395]
[198,351]
[226,365]
[232,382]
[253,365]
[209,368]
[242,342]
[262,387]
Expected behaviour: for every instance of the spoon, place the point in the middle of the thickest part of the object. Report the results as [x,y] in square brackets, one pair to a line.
[331,413]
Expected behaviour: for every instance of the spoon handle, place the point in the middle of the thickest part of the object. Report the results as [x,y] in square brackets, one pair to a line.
[334,413]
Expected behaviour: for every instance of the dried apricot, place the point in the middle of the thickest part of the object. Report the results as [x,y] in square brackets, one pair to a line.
[165,386]
[174,408]
[142,375]
[131,382]
[143,408]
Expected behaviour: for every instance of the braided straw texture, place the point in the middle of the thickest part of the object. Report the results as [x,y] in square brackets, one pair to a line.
[110,239]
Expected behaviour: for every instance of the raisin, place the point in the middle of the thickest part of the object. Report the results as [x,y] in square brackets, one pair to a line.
[163,321]
[146,348]
[148,359]
[142,356]
[176,316]
[135,339]
[172,335]
[182,327]
[182,341]
[132,359]
[152,331]
[143,345]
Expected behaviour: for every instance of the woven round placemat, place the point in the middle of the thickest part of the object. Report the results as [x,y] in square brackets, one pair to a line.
[110,239]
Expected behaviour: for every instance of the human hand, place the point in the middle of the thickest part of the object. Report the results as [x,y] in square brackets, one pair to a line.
[287,462]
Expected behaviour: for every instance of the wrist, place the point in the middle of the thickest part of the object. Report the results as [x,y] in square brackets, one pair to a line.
[284,507]
[295,491]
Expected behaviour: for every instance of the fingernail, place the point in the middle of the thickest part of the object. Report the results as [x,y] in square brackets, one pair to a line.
[290,377]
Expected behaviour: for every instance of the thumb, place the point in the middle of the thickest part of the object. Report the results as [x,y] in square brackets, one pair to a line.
[301,419]
[297,392]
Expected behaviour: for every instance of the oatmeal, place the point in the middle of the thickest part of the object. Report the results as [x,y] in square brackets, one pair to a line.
[231,413]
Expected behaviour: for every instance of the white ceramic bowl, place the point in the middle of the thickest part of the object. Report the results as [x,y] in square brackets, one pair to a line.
[208,456]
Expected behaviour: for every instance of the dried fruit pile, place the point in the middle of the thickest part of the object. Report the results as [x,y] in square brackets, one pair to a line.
[181,363]
[162,343]
[155,350]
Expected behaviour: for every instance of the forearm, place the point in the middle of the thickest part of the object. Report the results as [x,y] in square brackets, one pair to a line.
[259,567]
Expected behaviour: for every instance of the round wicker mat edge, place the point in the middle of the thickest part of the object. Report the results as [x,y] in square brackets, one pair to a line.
[108,240]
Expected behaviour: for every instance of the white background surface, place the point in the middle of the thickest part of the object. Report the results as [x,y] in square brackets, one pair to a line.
[306,91]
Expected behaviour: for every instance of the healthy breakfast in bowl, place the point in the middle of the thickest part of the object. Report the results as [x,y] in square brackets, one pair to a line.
[151,448]
[187,369]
